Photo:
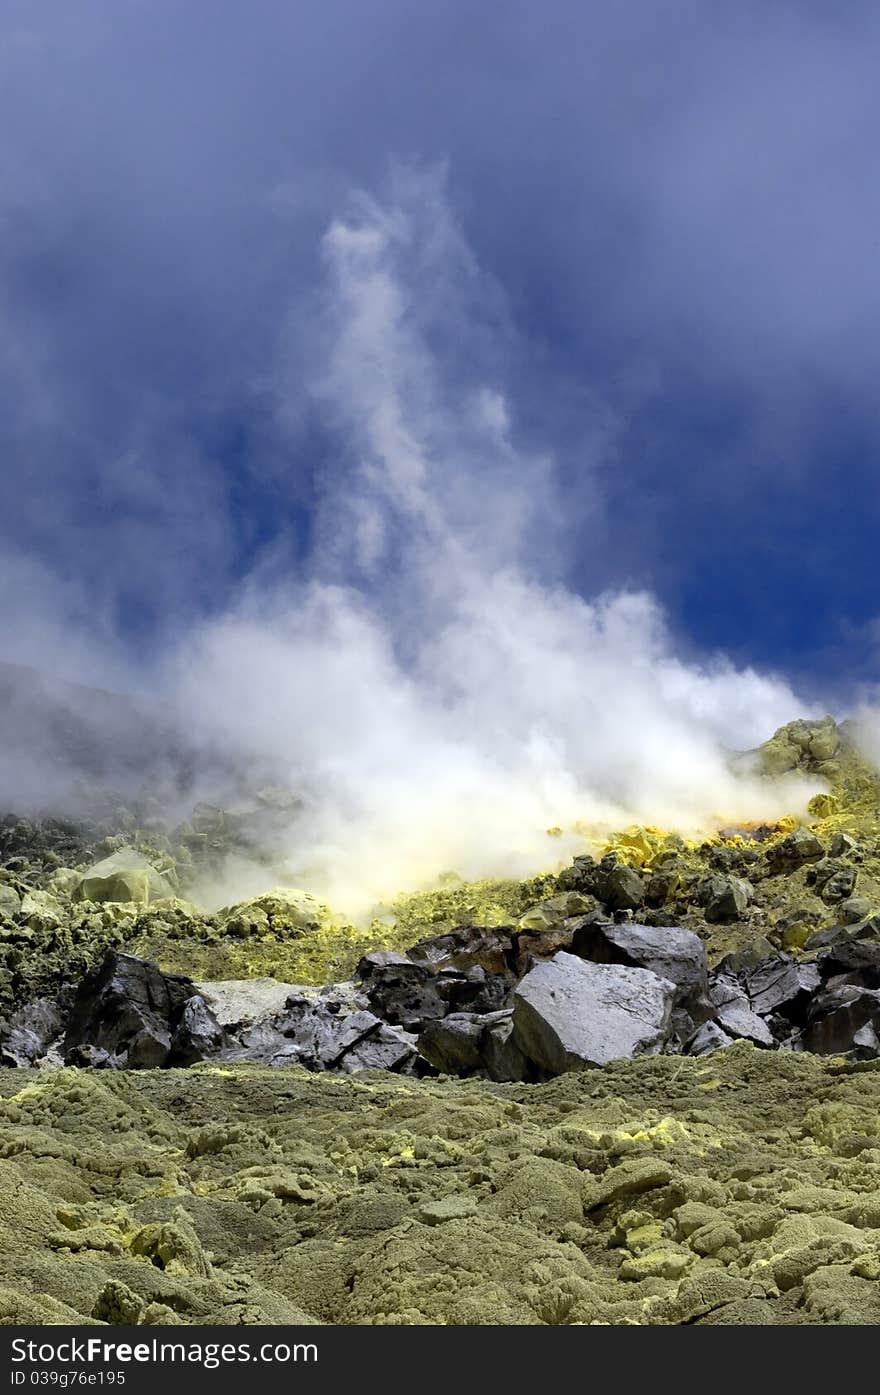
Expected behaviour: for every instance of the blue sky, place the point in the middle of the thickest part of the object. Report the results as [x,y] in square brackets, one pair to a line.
[672,220]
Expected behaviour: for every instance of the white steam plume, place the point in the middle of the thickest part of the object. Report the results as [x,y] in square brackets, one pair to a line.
[435,693]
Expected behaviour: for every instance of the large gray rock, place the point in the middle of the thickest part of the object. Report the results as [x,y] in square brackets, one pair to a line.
[799,847]
[733,1013]
[408,993]
[668,951]
[709,1037]
[845,1017]
[28,1035]
[491,948]
[858,959]
[832,878]
[834,935]
[621,887]
[843,845]
[569,1013]
[780,984]
[503,1058]
[452,1044]
[726,898]
[467,1043]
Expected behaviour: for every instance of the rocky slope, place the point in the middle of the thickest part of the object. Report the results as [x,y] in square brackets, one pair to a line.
[310,1163]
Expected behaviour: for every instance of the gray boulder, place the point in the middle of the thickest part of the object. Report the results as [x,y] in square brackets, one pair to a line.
[840,886]
[621,887]
[799,847]
[668,951]
[569,1013]
[709,1037]
[739,960]
[855,909]
[320,1032]
[240,1002]
[28,1035]
[381,1048]
[503,1058]
[408,994]
[859,960]
[726,898]
[833,879]
[843,845]
[866,1042]
[465,1043]
[733,1013]
[779,983]
[452,1044]
[845,1017]
[197,1033]
[836,936]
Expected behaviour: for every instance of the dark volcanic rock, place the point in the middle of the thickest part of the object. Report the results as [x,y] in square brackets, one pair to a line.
[733,1012]
[492,949]
[843,1018]
[503,1058]
[320,1032]
[535,946]
[408,994]
[28,1034]
[726,898]
[670,952]
[615,883]
[846,933]
[780,983]
[737,961]
[799,847]
[708,1037]
[137,1014]
[198,1033]
[570,1013]
[831,935]
[466,1042]
[859,960]
[403,992]
[452,1045]
[382,1048]
[580,876]
[620,887]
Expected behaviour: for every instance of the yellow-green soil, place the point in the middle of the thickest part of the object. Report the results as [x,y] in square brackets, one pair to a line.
[742,1188]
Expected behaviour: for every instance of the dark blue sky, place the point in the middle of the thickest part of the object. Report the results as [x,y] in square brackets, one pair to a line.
[676,212]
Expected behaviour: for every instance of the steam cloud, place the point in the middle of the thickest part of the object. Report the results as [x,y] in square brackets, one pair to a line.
[432,690]
[426,683]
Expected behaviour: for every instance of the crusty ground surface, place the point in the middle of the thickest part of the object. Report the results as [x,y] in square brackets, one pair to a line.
[740,1188]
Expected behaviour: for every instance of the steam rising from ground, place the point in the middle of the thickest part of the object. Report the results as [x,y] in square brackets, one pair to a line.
[433,691]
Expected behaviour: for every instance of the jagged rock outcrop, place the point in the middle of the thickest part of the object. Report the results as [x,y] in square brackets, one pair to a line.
[321,1032]
[128,1013]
